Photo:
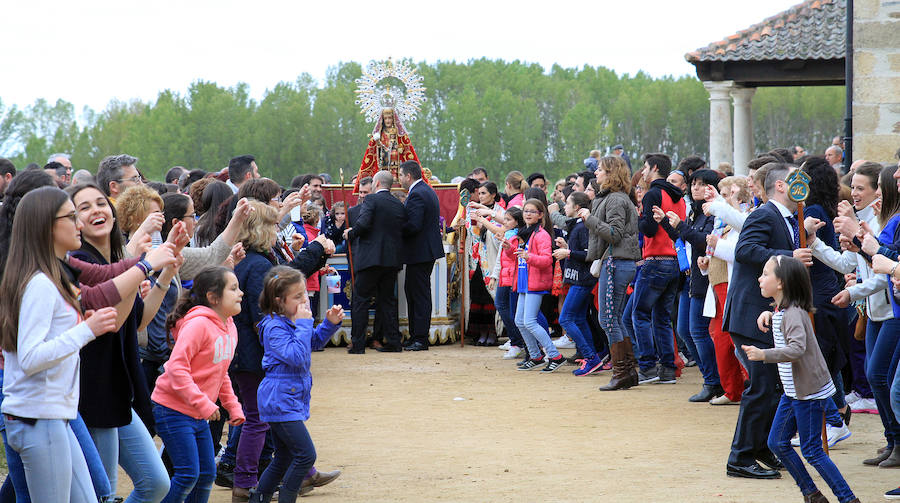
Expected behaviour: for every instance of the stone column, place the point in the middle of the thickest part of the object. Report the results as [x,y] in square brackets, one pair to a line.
[743,128]
[720,140]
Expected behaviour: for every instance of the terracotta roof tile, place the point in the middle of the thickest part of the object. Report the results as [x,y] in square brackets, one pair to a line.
[814,29]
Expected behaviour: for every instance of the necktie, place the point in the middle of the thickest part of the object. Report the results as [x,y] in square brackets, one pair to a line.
[795,228]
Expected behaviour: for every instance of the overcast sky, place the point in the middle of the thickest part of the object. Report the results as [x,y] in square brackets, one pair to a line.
[91,52]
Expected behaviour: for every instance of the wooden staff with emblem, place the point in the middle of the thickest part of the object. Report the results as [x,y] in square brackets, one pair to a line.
[349,251]
[798,191]
[461,257]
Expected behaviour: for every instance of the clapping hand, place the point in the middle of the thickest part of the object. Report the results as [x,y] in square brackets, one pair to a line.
[658,214]
[882,264]
[674,219]
[561,253]
[335,315]
[101,321]
[812,225]
[584,213]
[764,321]
[845,209]
[242,210]
[178,236]
[846,225]
[710,194]
[237,254]
[561,243]
[703,262]
[297,240]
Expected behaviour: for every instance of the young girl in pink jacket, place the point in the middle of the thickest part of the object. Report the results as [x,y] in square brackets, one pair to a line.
[533,279]
[195,376]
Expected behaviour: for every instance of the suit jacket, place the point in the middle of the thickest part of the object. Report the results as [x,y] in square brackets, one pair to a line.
[376,232]
[422,232]
[764,235]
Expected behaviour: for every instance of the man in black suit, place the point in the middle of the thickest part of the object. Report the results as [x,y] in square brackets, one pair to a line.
[421,247]
[365,188]
[772,229]
[376,235]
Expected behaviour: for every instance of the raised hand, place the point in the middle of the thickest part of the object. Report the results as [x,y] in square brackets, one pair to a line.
[178,236]
[297,240]
[139,244]
[658,214]
[812,225]
[242,210]
[153,223]
[845,209]
[161,257]
[101,321]
[584,213]
[846,225]
[804,255]
[145,288]
[335,315]
[711,194]
[882,264]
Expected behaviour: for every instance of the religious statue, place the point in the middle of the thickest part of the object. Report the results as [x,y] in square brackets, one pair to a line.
[388,107]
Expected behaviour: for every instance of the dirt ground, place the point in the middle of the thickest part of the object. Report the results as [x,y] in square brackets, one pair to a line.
[393,423]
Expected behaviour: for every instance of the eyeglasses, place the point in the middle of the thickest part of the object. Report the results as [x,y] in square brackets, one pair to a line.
[192,215]
[133,179]
[71,216]
[532,212]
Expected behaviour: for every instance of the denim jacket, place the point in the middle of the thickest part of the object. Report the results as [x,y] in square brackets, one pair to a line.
[285,390]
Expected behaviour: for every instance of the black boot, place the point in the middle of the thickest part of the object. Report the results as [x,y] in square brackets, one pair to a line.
[893,459]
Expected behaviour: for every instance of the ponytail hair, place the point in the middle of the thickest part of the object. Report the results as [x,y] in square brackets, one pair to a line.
[275,286]
[209,280]
[516,180]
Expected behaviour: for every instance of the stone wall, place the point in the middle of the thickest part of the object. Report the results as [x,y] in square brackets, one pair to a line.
[876,79]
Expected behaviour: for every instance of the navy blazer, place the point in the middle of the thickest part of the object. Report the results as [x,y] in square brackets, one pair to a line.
[764,235]
[422,233]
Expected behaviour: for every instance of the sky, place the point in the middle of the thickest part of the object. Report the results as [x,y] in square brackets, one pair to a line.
[95,51]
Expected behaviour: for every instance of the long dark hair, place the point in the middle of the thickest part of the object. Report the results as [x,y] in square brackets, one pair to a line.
[175,207]
[526,233]
[796,288]
[116,244]
[23,183]
[824,186]
[31,251]
[209,280]
[492,190]
[890,196]
[516,213]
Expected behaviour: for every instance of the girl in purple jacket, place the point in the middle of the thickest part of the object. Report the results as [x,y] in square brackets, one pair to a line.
[287,334]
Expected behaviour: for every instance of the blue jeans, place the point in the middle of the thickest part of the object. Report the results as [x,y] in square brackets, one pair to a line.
[527,309]
[573,319]
[190,447]
[102,486]
[805,416]
[503,303]
[705,353]
[54,465]
[132,447]
[683,324]
[654,294]
[883,350]
[295,455]
[610,313]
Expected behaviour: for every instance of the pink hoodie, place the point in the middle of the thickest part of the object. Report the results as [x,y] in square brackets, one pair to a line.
[197,372]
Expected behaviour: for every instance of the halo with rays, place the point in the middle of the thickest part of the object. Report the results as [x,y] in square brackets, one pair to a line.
[376,90]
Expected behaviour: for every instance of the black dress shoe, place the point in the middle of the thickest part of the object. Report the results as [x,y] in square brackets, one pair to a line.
[355,351]
[751,471]
[388,349]
[771,461]
[416,346]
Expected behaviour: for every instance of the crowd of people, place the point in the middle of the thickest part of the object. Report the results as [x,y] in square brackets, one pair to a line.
[174,308]
[131,309]
[678,265]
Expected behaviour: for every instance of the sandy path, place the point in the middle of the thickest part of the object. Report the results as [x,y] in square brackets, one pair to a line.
[391,423]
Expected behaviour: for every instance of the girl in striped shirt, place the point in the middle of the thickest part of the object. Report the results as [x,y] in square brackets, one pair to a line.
[804,376]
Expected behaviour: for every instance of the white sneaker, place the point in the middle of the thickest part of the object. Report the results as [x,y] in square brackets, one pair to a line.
[505,346]
[852,397]
[795,442]
[837,433]
[513,352]
[564,342]
[864,406]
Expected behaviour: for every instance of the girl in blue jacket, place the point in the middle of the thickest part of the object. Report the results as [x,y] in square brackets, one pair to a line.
[287,335]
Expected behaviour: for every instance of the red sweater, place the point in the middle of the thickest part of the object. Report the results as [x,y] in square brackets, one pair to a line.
[312,282]
[196,374]
[661,244]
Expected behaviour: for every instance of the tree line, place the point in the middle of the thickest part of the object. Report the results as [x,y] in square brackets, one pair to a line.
[492,113]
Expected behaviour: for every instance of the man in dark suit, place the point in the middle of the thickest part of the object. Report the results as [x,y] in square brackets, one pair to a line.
[365,188]
[772,229]
[421,247]
[376,235]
